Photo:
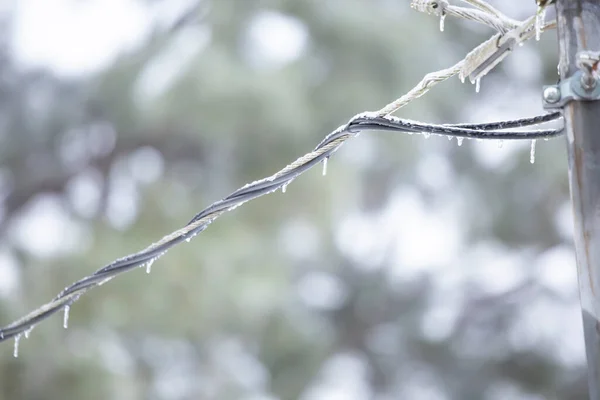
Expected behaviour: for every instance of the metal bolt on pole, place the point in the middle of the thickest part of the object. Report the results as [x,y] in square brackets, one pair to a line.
[579,40]
[552,94]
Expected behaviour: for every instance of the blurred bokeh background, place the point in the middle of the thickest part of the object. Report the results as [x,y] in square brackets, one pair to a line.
[416,269]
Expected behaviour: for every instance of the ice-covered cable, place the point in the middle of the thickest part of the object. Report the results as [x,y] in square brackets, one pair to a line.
[483,15]
[380,120]
[471,61]
[495,130]
[433,78]
[366,121]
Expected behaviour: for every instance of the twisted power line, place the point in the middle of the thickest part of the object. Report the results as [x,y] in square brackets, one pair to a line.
[379,120]
[361,122]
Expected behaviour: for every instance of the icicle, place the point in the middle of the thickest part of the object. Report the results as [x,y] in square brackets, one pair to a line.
[477,85]
[66,317]
[558,68]
[149,265]
[462,78]
[539,22]
[189,238]
[500,144]
[325,165]
[102,282]
[16,348]
[1,335]
[532,152]
[28,331]
[449,137]
[284,187]
[460,140]
[442,19]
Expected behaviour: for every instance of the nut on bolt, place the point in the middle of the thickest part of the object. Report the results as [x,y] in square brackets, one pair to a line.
[551,94]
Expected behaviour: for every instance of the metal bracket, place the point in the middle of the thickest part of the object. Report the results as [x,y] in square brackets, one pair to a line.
[479,63]
[493,54]
[570,89]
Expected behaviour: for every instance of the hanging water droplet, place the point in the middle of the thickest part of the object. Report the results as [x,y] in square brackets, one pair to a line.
[500,144]
[188,239]
[477,85]
[460,140]
[442,19]
[325,165]
[66,317]
[532,152]
[558,68]
[16,348]
[284,187]
[426,135]
[449,137]
[28,331]
[539,22]
[1,335]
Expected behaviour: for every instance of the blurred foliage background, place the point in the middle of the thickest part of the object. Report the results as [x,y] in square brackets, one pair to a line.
[416,269]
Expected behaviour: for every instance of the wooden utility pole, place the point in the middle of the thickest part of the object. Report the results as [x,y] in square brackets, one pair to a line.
[579,44]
